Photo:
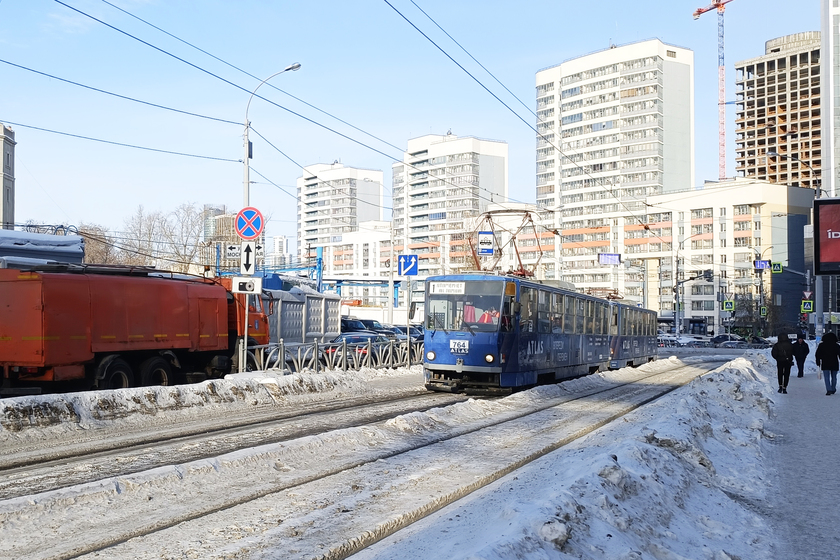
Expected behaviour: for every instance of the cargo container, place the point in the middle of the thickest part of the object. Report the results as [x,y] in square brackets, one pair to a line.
[114,327]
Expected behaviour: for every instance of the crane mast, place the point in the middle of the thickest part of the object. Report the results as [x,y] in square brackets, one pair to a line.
[720,6]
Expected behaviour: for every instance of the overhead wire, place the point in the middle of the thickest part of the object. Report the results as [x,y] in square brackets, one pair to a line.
[517,115]
[254,94]
[203,116]
[113,143]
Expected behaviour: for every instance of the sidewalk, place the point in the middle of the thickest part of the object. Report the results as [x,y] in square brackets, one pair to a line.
[805,457]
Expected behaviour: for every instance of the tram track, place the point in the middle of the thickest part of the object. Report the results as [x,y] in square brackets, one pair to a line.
[466,457]
[24,476]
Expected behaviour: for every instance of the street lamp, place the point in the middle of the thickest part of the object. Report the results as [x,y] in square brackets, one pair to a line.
[818,284]
[678,284]
[761,287]
[247,180]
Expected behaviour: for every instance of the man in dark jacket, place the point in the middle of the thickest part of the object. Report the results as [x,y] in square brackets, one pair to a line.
[828,360]
[800,352]
[783,353]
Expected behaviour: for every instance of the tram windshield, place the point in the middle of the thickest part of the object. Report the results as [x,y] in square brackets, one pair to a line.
[469,306]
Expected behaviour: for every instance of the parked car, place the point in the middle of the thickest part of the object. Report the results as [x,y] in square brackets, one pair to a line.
[758,342]
[356,345]
[415,332]
[351,324]
[400,334]
[734,344]
[376,326]
[718,340]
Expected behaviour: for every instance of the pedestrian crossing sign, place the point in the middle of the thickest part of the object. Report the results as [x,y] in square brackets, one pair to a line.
[763,311]
[776,268]
[729,305]
[807,306]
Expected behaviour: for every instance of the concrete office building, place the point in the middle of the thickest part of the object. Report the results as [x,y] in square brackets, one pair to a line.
[442,181]
[332,200]
[615,128]
[778,111]
[723,227]
[7,173]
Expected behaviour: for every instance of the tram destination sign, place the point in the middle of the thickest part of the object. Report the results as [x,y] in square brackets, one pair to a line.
[447,288]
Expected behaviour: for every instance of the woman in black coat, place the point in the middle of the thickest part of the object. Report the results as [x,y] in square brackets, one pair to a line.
[828,360]
[783,353]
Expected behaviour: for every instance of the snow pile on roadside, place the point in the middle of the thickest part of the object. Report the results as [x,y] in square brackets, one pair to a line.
[680,478]
[46,415]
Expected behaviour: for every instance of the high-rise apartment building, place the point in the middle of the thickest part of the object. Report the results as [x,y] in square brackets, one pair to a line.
[615,127]
[7,173]
[282,254]
[332,200]
[778,112]
[442,181]
[830,76]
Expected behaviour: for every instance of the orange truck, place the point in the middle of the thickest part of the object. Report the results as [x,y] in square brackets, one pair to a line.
[114,327]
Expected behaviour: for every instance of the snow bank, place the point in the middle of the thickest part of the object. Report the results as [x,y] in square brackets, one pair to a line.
[681,478]
[47,416]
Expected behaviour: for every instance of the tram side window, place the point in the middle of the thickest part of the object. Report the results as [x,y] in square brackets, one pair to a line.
[580,315]
[599,318]
[544,309]
[613,320]
[528,312]
[590,317]
[557,313]
[569,316]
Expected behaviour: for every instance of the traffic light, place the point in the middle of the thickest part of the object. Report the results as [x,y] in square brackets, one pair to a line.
[708,275]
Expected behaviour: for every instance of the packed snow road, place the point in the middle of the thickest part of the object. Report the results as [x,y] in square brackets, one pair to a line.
[324,495]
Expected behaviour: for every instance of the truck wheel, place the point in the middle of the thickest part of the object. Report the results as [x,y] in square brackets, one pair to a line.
[117,376]
[156,371]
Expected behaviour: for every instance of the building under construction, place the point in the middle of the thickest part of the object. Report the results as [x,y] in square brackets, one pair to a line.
[778,112]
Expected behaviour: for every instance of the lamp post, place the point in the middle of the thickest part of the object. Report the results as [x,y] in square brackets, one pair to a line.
[246,181]
[761,287]
[818,283]
[678,285]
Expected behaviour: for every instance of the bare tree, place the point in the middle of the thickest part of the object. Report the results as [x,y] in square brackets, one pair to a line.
[182,230]
[141,245]
[100,245]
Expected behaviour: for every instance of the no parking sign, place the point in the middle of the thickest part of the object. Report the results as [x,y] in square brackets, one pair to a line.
[249,223]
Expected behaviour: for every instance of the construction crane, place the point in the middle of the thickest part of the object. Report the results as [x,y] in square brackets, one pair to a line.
[719,6]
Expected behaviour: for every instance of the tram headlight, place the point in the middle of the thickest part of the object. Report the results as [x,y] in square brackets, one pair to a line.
[489,358]
[430,355]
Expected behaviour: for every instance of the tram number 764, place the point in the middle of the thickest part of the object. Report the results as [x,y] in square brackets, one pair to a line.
[459,346]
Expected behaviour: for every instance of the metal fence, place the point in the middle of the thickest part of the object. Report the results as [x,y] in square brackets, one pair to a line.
[319,356]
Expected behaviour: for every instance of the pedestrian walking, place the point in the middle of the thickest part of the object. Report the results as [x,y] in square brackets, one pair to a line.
[800,352]
[783,353]
[828,360]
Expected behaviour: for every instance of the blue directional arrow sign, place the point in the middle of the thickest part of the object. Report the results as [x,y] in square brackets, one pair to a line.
[407,265]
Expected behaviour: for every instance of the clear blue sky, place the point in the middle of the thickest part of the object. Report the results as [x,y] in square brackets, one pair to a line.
[360,61]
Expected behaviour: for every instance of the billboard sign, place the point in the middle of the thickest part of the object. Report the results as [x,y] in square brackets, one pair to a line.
[609,258]
[827,236]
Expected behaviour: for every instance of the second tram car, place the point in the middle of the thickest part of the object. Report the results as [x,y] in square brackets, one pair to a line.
[491,333]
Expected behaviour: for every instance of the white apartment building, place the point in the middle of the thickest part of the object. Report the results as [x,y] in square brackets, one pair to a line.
[363,258]
[442,181]
[830,79]
[615,128]
[332,200]
[7,174]
[778,119]
[282,254]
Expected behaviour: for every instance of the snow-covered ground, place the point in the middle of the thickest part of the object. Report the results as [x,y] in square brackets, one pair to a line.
[684,477]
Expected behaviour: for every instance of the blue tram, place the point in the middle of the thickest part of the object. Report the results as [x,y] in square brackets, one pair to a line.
[490,333]
[632,335]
